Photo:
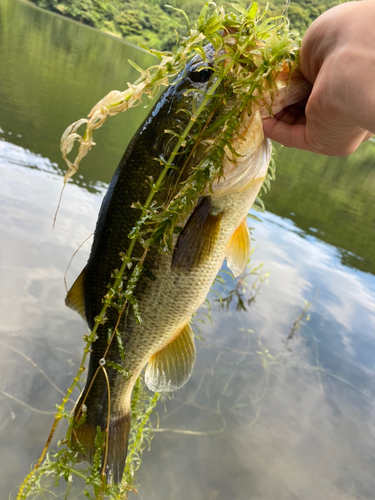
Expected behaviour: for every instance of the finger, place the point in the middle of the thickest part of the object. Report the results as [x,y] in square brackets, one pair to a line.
[368,136]
[297,136]
[292,115]
[291,136]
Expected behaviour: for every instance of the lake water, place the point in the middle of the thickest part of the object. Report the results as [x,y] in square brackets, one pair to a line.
[281,401]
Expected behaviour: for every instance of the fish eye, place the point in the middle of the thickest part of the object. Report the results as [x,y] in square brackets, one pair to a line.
[201,76]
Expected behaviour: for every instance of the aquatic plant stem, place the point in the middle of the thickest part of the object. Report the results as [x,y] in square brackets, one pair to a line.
[114,289]
[107,427]
[155,188]
[58,416]
[145,418]
[240,52]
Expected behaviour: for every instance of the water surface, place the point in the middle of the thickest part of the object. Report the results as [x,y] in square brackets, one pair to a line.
[278,406]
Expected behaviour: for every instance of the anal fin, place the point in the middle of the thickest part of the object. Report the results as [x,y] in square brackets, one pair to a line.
[238,249]
[76,296]
[171,367]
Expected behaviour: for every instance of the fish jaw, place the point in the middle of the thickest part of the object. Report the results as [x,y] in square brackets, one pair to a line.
[252,152]
[290,90]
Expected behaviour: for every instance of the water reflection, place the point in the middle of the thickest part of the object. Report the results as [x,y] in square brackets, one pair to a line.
[35,329]
[294,419]
[262,417]
[52,72]
[330,198]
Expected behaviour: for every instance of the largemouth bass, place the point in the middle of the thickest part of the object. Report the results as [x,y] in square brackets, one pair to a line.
[172,284]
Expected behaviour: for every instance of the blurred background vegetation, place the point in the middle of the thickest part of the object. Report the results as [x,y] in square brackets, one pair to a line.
[153,23]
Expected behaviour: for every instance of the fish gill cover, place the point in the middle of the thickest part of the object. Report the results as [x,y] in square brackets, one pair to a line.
[245,51]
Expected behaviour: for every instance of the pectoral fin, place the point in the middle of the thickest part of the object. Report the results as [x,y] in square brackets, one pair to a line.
[76,297]
[171,367]
[238,249]
[198,237]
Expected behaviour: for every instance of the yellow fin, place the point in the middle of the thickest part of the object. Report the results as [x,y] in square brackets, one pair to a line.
[238,249]
[76,296]
[198,237]
[171,367]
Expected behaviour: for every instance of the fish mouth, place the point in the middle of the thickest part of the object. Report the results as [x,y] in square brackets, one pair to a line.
[246,160]
[291,89]
[253,152]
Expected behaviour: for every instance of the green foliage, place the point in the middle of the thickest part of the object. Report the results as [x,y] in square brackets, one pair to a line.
[141,431]
[245,73]
[61,466]
[153,23]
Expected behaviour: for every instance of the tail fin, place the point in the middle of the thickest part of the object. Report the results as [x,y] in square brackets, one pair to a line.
[118,435]
[117,442]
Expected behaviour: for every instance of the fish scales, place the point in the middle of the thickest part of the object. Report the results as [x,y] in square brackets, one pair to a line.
[173,284]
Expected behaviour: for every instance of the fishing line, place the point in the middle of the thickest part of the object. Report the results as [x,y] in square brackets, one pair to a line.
[58,206]
[75,253]
[107,428]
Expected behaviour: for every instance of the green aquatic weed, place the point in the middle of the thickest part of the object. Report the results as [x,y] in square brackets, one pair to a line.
[251,51]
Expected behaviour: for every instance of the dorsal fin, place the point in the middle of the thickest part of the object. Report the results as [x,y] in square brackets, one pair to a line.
[171,367]
[198,237]
[238,249]
[76,296]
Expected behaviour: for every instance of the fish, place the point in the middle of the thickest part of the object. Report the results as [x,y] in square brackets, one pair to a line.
[173,284]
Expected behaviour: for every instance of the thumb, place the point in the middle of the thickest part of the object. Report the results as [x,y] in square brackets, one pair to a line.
[291,135]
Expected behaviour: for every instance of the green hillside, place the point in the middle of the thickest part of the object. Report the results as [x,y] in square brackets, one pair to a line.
[153,23]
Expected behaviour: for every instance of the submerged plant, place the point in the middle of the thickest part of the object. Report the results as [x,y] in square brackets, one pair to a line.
[250,53]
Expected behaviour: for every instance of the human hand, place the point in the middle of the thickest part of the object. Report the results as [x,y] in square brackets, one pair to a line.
[338,58]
